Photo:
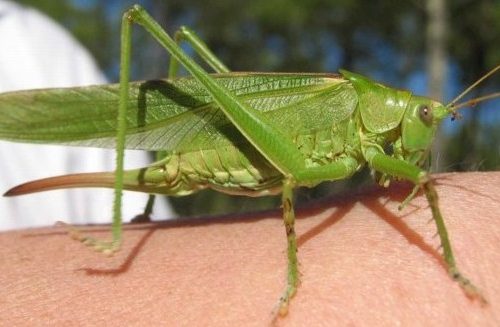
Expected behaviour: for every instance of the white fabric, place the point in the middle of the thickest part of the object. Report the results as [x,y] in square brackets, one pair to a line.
[37,53]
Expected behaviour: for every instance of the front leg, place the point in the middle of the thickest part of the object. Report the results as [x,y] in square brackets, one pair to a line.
[400,168]
[455,274]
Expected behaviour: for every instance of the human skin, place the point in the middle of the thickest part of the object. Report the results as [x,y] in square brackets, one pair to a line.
[362,263]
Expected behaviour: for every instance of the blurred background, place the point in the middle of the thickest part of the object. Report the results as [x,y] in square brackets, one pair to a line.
[431,47]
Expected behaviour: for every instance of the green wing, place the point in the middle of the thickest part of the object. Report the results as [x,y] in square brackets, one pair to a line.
[172,115]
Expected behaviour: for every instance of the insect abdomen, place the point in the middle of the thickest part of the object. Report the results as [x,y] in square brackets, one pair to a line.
[228,169]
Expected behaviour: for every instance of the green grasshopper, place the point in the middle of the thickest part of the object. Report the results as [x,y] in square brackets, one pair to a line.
[251,134]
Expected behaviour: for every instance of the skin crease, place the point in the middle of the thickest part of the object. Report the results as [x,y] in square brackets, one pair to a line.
[362,262]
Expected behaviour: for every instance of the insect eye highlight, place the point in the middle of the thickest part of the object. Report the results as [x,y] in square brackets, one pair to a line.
[425,113]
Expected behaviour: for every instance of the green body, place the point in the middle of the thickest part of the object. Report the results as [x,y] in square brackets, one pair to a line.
[239,133]
[178,116]
[326,116]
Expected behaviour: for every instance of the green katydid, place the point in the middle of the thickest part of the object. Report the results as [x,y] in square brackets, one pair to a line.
[252,134]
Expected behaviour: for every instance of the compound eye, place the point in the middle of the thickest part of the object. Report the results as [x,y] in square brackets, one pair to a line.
[425,113]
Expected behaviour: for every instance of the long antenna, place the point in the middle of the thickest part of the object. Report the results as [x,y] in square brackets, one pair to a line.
[461,95]
[473,102]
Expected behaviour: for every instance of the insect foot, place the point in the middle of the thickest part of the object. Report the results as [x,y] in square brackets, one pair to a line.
[108,248]
[466,285]
[285,301]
